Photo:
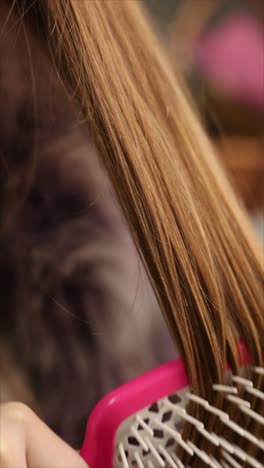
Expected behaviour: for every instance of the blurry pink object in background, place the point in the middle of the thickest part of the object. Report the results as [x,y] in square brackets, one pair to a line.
[232,56]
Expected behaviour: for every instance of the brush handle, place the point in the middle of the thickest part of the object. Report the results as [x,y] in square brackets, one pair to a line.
[118,405]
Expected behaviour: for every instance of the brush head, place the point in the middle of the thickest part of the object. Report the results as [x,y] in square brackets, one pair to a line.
[156,421]
[153,436]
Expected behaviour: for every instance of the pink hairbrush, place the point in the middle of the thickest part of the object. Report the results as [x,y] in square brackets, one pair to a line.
[139,424]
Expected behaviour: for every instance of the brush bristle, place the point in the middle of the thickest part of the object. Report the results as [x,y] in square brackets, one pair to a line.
[155,436]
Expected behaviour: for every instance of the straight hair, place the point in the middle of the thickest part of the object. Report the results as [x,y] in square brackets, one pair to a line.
[197,245]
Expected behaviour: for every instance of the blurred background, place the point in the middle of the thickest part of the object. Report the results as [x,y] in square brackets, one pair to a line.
[218,45]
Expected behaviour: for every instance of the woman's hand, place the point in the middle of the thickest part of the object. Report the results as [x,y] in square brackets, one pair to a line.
[26,442]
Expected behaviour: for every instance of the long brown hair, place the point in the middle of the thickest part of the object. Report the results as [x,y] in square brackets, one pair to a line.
[194,239]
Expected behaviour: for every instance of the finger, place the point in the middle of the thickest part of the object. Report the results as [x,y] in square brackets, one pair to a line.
[46,450]
[11,456]
[12,438]
[28,443]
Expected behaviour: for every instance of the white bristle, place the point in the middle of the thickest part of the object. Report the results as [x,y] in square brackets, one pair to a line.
[123,456]
[231,460]
[138,460]
[184,415]
[216,463]
[176,436]
[225,465]
[154,452]
[207,406]
[232,425]
[259,370]
[167,457]
[226,445]
[211,437]
[217,412]
[246,458]
[200,453]
[253,439]
[144,425]
[137,435]
[225,388]
[237,400]
[242,381]
[240,453]
[178,461]
[247,435]
[242,432]
[254,391]
[253,414]
[253,462]
[150,438]
[197,399]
